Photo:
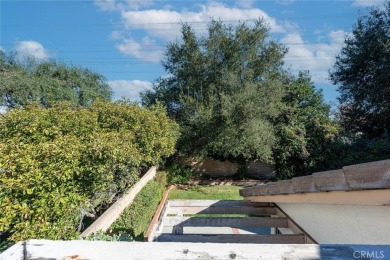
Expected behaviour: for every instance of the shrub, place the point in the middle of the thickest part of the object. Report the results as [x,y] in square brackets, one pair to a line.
[135,220]
[351,149]
[179,174]
[58,164]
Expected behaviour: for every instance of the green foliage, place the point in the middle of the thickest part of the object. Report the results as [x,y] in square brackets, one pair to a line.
[350,149]
[31,80]
[179,174]
[134,220]
[59,164]
[304,130]
[102,236]
[362,73]
[223,89]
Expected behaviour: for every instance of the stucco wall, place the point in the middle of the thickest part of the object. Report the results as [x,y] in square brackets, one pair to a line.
[216,168]
[342,224]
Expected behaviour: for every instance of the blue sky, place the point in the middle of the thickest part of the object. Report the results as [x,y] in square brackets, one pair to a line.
[125,40]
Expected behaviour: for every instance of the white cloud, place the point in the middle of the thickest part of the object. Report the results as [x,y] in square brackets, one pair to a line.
[116,35]
[2,49]
[367,3]
[32,49]
[146,50]
[165,24]
[113,5]
[107,5]
[285,2]
[318,58]
[245,3]
[129,89]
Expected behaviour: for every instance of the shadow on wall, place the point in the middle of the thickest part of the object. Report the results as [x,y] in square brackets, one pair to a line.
[226,169]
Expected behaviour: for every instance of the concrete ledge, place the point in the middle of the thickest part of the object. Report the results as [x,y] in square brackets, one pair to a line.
[46,249]
[113,212]
[303,184]
[330,181]
[374,175]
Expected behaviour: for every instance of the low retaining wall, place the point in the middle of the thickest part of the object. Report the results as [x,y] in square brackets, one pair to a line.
[256,169]
[112,213]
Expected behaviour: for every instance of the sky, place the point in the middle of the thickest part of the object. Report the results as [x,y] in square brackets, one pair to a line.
[125,40]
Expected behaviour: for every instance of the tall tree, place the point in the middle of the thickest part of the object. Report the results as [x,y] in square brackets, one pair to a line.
[23,81]
[304,130]
[362,71]
[223,88]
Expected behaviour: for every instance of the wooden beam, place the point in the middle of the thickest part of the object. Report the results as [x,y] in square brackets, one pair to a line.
[114,211]
[246,239]
[221,210]
[217,203]
[294,227]
[153,226]
[225,222]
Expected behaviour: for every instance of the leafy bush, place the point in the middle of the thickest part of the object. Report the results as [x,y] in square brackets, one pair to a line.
[135,220]
[103,236]
[179,174]
[58,164]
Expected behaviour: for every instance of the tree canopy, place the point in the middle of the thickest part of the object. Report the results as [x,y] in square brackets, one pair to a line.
[304,130]
[362,73]
[30,80]
[223,88]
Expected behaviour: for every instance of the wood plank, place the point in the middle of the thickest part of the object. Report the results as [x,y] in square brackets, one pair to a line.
[285,231]
[153,226]
[225,222]
[294,227]
[221,210]
[216,203]
[246,239]
[115,210]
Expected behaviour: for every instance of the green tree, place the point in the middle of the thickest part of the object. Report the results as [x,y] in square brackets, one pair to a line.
[32,80]
[362,73]
[304,130]
[223,88]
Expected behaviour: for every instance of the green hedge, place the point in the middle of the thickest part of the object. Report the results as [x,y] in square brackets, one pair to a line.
[135,220]
[58,165]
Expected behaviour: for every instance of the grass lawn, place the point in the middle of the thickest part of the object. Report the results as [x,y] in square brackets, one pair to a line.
[217,192]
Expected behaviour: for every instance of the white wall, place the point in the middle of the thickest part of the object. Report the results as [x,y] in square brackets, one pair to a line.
[342,224]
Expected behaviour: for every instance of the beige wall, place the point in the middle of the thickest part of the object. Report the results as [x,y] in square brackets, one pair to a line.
[342,224]
[216,168]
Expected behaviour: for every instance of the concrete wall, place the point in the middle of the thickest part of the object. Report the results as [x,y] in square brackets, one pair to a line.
[342,224]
